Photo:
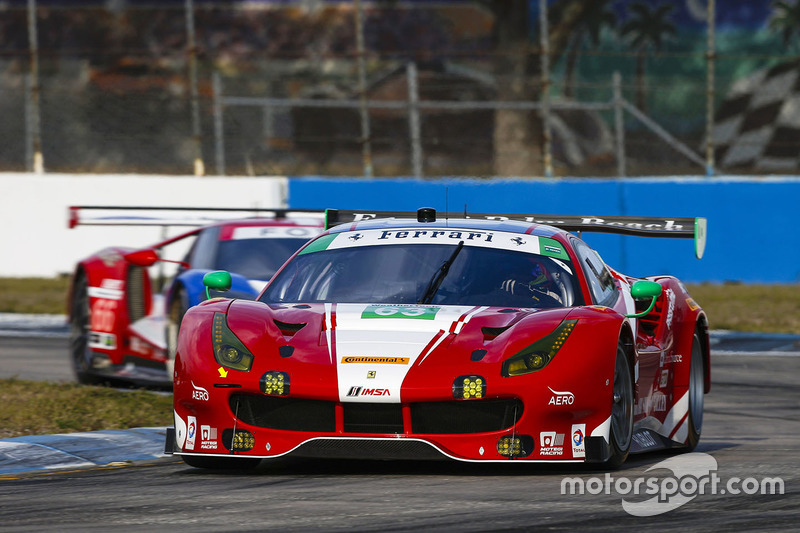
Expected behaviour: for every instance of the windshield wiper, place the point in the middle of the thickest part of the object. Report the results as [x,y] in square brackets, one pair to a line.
[439,275]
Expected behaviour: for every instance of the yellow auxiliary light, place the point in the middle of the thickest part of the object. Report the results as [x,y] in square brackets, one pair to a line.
[516,446]
[469,387]
[275,383]
[241,441]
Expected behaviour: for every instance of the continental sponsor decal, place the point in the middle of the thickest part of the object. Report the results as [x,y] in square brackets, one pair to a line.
[375,360]
[400,311]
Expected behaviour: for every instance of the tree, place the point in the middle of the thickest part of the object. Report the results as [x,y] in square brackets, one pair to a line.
[518,70]
[786,20]
[598,16]
[647,30]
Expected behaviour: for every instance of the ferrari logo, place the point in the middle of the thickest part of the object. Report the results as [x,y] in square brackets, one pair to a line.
[371,374]
[222,372]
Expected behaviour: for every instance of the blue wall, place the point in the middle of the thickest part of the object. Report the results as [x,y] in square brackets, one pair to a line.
[752,222]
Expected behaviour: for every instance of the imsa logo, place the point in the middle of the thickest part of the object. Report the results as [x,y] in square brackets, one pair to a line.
[363,391]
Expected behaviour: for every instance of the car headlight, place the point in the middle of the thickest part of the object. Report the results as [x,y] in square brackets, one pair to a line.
[229,351]
[539,354]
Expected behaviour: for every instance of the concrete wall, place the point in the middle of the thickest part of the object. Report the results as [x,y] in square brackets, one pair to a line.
[35,240]
[752,228]
[752,222]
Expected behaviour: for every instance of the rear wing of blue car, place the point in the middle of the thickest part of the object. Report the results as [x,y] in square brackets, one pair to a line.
[667,227]
[98,215]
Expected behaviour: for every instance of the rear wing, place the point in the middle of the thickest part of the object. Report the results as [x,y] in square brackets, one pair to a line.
[96,215]
[669,227]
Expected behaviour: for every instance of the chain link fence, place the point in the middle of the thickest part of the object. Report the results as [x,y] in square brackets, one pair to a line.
[278,93]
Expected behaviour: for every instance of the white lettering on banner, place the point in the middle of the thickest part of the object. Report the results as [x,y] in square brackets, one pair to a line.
[669,225]
[459,235]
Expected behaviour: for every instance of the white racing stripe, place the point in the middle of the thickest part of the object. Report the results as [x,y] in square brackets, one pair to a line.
[376,345]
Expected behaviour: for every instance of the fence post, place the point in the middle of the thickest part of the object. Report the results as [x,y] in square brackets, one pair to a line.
[710,57]
[619,124]
[219,139]
[413,120]
[544,37]
[366,134]
[199,167]
[36,160]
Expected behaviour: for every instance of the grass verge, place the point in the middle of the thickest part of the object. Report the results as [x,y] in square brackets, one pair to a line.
[38,408]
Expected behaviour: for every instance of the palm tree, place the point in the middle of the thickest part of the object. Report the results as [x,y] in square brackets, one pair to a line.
[786,20]
[647,30]
[595,18]
[517,150]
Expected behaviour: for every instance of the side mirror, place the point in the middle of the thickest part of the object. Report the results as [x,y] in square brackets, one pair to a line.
[219,280]
[142,258]
[642,290]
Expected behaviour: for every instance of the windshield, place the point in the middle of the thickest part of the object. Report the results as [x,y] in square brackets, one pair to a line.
[414,273]
[255,258]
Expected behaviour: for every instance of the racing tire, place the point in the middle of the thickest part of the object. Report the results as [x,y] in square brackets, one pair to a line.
[696,395]
[79,331]
[621,431]
[221,463]
[177,308]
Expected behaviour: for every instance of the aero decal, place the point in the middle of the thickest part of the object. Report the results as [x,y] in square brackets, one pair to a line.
[364,337]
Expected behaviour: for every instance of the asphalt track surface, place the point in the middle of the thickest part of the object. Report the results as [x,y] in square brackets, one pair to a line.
[121,481]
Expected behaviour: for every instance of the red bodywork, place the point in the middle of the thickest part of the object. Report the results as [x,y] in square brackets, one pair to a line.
[560,413]
[127,302]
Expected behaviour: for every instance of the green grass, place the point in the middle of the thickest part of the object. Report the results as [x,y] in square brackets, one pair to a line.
[38,408]
[34,295]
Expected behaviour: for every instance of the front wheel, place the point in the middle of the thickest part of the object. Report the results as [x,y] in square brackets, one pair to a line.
[80,353]
[621,410]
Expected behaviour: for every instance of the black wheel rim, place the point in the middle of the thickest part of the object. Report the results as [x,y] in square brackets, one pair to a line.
[622,406]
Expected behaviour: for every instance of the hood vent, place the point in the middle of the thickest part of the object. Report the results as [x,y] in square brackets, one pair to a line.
[287,329]
[490,334]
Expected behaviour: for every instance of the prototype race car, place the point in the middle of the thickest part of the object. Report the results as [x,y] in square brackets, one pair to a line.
[124,316]
[488,338]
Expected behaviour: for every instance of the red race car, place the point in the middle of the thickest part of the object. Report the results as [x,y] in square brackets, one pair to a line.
[488,338]
[124,316]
